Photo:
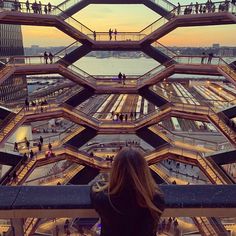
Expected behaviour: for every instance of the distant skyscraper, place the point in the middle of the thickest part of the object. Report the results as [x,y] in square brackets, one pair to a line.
[216,45]
[11,44]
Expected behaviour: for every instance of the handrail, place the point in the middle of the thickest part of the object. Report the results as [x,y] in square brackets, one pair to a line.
[66,2]
[187,137]
[75,43]
[178,10]
[48,137]
[141,79]
[79,112]
[53,11]
[5,179]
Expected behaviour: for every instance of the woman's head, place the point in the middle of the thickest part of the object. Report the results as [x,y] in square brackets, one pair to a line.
[130,171]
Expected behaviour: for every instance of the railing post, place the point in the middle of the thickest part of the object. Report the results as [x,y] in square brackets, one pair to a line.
[17,227]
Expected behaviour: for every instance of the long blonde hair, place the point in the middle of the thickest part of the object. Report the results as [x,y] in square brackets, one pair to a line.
[130,170]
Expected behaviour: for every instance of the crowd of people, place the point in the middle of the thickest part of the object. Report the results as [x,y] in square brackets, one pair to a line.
[42,104]
[31,154]
[208,7]
[123,117]
[110,34]
[186,170]
[208,57]
[171,225]
[35,7]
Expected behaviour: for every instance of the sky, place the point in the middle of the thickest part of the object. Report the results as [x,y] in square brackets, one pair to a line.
[129,18]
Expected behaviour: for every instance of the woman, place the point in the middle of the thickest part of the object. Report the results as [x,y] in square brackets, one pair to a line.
[126,204]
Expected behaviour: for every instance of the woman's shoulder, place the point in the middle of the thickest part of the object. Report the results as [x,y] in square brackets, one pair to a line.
[98,193]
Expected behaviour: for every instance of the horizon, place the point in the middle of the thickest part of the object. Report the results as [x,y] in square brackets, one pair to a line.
[131,18]
[210,46]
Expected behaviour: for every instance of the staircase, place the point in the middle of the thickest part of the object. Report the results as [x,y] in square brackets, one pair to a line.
[82,137]
[156,54]
[23,172]
[80,97]
[223,126]
[30,226]
[11,125]
[152,96]
[84,176]
[150,137]
[205,165]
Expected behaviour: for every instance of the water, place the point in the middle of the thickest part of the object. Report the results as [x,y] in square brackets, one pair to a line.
[112,65]
[129,66]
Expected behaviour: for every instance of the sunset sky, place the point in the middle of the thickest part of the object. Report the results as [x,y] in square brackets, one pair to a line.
[129,18]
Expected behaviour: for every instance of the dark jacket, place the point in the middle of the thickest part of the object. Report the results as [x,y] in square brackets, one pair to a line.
[120,216]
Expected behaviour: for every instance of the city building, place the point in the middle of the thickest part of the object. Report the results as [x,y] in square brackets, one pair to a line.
[11,44]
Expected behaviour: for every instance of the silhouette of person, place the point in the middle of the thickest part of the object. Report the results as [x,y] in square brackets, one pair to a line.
[50,57]
[110,34]
[45,56]
[210,56]
[203,57]
[115,33]
[123,78]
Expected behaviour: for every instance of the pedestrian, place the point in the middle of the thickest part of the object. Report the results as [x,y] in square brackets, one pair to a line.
[123,78]
[176,223]
[25,157]
[94,35]
[40,7]
[42,106]
[115,117]
[110,34]
[169,224]
[50,146]
[40,146]
[1,4]
[115,33]
[46,9]
[49,7]
[50,56]
[163,224]
[210,56]
[15,4]
[27,143]
[45,56]
[27,6]
[31,154]
[196,7]
[119,77]
[126,117]
[121,117]
[200,9]
[26,104]
[41,140]
[16,147]
[131,115]
[203,57]
[178,8]
[66,225]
